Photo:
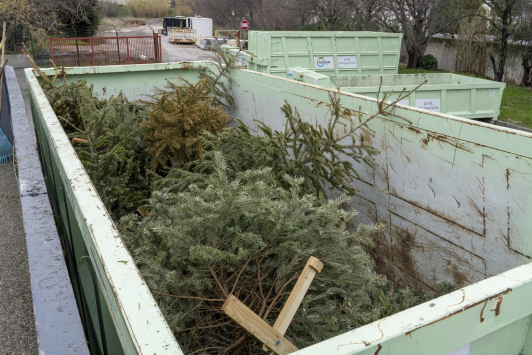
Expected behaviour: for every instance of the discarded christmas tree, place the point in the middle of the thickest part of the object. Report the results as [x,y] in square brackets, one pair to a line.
[177,119]
[249,237]
[318,153]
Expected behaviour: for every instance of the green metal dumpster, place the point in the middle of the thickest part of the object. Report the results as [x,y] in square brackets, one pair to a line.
[454,94]
[452,193]
[326,52]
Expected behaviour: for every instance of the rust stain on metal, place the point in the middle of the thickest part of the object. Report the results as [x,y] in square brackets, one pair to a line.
[379,348]
[414,129]
[458,203]
[487,299]
[458,277]
[440,214]
[444,139]
[475,206]
[430,187]
[482,312]
[497,307]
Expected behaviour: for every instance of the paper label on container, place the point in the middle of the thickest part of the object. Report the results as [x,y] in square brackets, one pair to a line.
[428,104]
[324,61]
[463,350]
[347,61]
[289,72]
[316,81]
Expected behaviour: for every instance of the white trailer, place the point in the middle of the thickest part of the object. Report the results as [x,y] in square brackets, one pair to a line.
[202,25]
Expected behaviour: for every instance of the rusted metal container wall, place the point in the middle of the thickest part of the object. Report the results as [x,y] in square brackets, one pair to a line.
[452,193]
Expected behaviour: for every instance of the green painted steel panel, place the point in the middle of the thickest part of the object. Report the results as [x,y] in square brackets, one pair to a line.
[325,52]
[132,321]
[453,94]
[453,195]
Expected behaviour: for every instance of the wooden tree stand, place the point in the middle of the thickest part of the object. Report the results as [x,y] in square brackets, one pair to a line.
[273,337]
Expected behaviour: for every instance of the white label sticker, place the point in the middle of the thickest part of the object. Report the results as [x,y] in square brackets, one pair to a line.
[492,93]
[289,72]
[429,104]
[347,61]
[264,71]
[463,350]
[394,41]
[323,62]
[316,81]
[404,102]
[265,35]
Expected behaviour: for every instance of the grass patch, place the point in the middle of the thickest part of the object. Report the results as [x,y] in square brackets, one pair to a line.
[516,104]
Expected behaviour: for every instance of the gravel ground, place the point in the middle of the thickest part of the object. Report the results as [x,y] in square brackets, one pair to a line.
[17,323]
[171,52]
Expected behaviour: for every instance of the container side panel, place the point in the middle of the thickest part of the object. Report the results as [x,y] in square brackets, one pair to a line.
[133,323]
[507,340]
[439,185]
[489,317]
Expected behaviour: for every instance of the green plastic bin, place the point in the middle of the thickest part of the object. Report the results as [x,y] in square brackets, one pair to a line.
[325,52]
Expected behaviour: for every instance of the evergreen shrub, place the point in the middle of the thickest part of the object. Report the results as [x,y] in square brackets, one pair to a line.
[428,62]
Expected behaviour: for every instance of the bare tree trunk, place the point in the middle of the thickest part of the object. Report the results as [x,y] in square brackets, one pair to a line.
[527,67]
[504,50]
[494,66]
[413,58]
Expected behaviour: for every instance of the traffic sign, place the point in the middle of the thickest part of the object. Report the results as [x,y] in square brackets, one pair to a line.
[244,25]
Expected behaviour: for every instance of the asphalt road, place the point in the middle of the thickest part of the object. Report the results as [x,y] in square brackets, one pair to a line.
[171,52]
[17,323]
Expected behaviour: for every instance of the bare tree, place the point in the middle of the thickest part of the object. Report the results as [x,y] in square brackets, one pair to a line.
[334,14]
[525,39]
[419,20]
[262,14]
[503,18]
[366,13]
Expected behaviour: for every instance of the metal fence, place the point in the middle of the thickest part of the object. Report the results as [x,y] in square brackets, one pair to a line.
[86,51]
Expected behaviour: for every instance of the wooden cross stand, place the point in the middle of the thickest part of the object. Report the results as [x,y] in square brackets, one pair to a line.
[272,337]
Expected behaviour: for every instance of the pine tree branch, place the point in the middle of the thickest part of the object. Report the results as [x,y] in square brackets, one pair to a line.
[272,304]
[191,297]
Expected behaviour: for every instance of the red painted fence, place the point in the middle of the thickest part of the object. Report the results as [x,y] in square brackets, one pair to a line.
[87,51]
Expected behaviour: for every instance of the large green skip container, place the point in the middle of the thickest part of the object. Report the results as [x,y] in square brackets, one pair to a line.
[453,94]
[453,196]
[326,52]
